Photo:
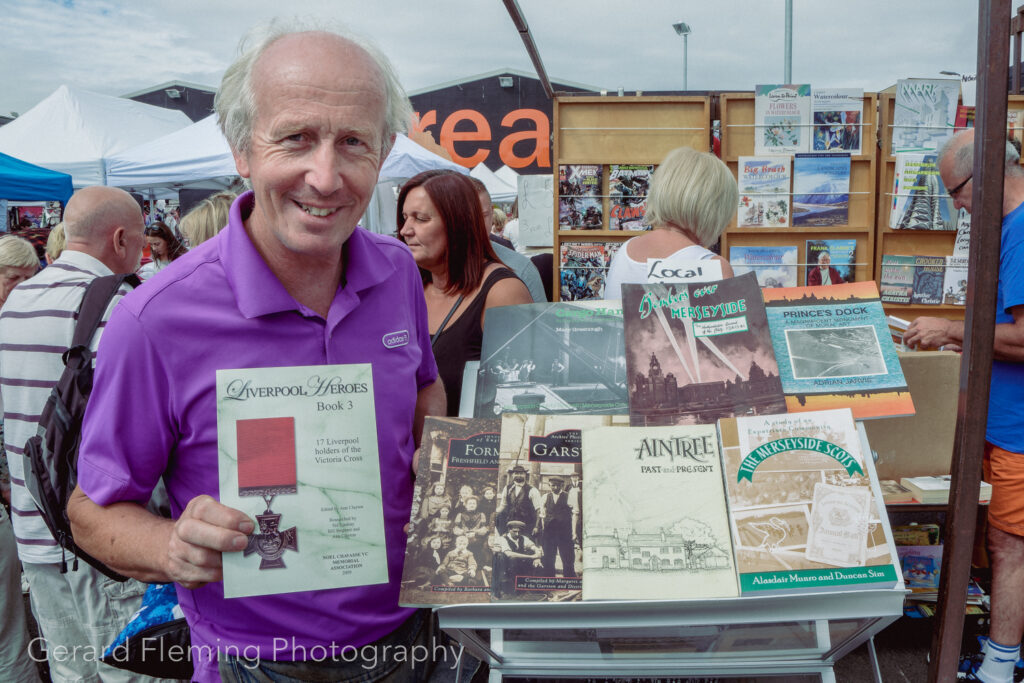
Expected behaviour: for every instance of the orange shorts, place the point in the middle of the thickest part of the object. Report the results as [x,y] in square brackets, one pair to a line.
[1005,471]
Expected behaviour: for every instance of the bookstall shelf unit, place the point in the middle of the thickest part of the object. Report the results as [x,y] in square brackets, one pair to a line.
[620,130]
[738,129]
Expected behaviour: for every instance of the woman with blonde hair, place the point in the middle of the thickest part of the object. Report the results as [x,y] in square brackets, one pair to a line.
[693,197]
[18,262]
[206,218]
[55,243]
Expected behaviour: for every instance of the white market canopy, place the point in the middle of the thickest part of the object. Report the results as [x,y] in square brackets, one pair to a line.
[197,156]
[499,190]
[508,175]
[408,158]
[73,131]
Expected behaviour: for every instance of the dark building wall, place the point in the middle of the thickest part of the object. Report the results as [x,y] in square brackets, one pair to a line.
[194,103]
[482,121]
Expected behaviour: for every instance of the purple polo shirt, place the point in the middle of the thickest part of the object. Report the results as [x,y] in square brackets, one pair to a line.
[152,413]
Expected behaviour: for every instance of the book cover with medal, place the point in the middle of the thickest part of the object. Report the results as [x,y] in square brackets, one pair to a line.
[297,452]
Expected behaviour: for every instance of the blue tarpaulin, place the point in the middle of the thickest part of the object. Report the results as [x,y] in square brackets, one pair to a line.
[22,181]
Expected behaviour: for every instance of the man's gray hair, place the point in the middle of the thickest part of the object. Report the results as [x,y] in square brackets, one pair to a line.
[963,157]
[235,102]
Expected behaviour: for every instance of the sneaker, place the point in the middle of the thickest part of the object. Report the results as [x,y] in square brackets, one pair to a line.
[24,585]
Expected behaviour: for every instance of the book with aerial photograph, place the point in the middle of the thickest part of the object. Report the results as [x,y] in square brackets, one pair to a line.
[804,511]
[579,196]
[656,523]
[834,350]
[448,558]
[697,352]
[553,358]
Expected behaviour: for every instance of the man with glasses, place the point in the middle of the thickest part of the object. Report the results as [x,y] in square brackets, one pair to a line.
[1004,434]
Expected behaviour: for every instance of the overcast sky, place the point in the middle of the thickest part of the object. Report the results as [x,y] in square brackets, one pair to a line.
[121,46]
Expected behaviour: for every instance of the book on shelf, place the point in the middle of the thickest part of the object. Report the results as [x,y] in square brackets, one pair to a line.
[922,566]
[962,245]
[773,266]
[894,492]
[628,185]
[579,197]
[897,278]
[919,198]
[954,283]
[782,118]
[656,523]
[1015,125]
[836,256]
[804,511]
[934,490]
[929,278]
[821,189]
[964,117]
[697,352]
[897,328]
[448,559]
[539,487]
[583,269]
[553,358]
[924,113]
[837,115]
[916,534]
[834,351]
[764,192]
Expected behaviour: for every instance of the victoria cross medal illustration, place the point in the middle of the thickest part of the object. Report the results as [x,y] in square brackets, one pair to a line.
[266,468]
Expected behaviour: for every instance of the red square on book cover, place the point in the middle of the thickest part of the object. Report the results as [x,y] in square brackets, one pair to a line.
[266,452]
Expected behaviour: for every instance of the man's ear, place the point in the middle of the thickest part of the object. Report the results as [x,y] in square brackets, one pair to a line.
[119,240]
[241,162]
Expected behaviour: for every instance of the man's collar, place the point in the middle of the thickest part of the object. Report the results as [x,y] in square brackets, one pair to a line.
[84,261]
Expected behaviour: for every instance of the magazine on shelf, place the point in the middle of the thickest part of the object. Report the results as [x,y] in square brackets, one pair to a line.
[553,358]
[782,118]
[583,268]
[821,189]
[540,475]
[837,115]
[964,117]
[805,515]
[834,351]
[579,197]
[656,523]
[897,278]
[773,266]
[448,558]
[628,185]
[764,192]
[924,114]
[929,280]
[919,198]
[697,352]
[842,257]
[954,283]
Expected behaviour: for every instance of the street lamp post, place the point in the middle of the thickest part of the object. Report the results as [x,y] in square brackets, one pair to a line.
[683,30]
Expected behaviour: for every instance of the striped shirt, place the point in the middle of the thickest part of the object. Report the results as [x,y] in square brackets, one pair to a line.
[37,323]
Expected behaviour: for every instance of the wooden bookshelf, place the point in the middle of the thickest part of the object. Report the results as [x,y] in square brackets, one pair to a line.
[737,116]
[609,130]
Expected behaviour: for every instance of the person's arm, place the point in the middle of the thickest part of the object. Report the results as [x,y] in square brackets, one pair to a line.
[507,292]
[430,400]
[927,332]
[137,543]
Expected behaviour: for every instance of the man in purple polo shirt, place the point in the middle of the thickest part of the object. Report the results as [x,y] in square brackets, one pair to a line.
[310,117]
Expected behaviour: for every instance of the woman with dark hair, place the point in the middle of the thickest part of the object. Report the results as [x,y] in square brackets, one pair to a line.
[164,247]
[441,221]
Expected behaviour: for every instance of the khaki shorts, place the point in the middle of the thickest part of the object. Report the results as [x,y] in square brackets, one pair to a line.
[1005,471]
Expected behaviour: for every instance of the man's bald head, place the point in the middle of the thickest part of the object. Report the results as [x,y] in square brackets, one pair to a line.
[106,223]
[957,155]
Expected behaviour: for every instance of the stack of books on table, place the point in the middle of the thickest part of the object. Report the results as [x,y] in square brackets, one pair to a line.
[935,490]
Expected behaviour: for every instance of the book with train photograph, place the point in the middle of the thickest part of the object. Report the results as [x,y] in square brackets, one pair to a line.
[579,197]
[919,198]
[897,278]
[837,256]
[448,558]
[628,185]
[924,113]
[657,523]
[804,506]
[834,350]
[538,521]
[837,115]
[764,192]
[782,119]
[821,189]
[553,358]
[698,352]
[773,266]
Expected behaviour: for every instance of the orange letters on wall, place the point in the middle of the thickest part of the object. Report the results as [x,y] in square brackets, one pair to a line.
[449,135]
[540,135]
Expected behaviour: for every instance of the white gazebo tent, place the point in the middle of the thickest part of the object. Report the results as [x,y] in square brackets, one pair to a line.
[197,157]
[508,176]
[73,131]
[500,191]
